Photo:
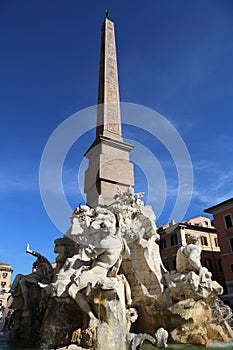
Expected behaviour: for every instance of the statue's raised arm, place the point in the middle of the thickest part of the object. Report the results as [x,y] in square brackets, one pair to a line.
[32,252]
[22,284]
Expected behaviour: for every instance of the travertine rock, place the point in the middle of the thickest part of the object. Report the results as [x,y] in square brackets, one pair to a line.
[109,276]
[198,311]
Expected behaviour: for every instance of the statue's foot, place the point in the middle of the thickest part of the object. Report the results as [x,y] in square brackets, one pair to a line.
[47,287]
[129,302]
[42,285]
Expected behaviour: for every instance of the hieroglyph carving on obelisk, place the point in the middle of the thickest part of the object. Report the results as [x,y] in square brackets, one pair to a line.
[109,165]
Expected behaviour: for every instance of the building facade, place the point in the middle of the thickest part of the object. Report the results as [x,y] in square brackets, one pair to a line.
[5,280]
[223,218]
[174,235]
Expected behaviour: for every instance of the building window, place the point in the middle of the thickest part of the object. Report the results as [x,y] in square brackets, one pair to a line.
[216,242]
[0,302]
[174,240]
[204,240]
[187,237]
[162,243]
[228,221]
[3,284]
[208,264]
[4,275]
[231,243]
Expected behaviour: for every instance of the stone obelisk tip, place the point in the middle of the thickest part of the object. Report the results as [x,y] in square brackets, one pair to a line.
[107,13]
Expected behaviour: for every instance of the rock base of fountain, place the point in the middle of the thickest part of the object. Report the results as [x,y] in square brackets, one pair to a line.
[199,326]
[108,276]
[63,324]
[193,298]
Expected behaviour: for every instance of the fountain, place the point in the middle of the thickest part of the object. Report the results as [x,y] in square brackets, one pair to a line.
[110,290]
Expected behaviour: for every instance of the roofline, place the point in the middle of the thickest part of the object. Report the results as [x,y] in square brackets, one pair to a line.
[5,265]
[209,210]
[2,263]
[188,226]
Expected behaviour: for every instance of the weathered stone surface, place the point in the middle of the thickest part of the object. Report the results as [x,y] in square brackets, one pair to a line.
[215,333]
[108,123]
[200,334]
[109,165]
[193,297]
[112,277]
[198,311]
[109,303]
[60,321]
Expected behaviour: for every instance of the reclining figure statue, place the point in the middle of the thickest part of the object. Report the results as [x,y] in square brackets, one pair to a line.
[188,258]
[41,272]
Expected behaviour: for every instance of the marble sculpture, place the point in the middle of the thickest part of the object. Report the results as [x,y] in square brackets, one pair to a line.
[109,286]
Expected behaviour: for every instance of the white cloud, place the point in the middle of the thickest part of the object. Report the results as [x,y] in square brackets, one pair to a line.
[215,186]
[11,182]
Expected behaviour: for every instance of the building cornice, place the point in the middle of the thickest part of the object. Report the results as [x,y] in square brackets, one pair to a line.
[109,142]
[218,208]
[171,229]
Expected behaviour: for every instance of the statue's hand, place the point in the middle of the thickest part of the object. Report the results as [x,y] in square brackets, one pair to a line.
[206,272]
[90,251]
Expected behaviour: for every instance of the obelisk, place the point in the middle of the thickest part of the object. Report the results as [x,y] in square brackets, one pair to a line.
[109,165]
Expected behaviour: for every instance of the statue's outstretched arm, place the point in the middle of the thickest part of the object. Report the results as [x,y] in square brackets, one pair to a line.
[29,251]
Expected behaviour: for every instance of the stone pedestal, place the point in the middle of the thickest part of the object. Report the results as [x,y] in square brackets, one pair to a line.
[109,168]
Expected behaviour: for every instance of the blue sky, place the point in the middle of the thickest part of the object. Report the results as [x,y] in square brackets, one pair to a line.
[174,56]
